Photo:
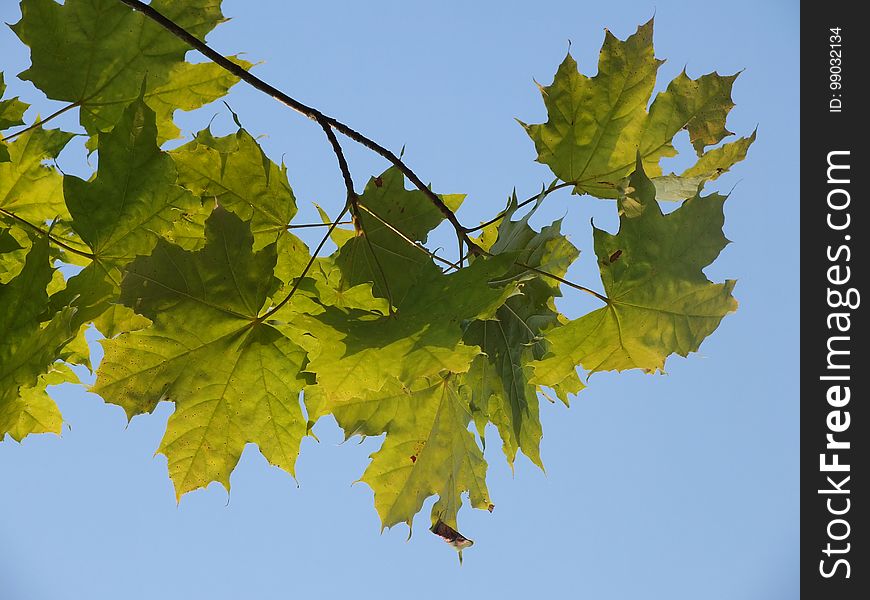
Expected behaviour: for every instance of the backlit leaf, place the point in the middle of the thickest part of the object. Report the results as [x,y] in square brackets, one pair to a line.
[109,49]
[598,124]
[233,378]
[659,301]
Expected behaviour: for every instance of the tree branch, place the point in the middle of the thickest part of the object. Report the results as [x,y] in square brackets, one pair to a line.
[304,109]
[352,198]
[353,204]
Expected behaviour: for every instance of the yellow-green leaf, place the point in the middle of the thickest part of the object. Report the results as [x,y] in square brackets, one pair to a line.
[659,300]
[96,53]
[233,378]
[597,124]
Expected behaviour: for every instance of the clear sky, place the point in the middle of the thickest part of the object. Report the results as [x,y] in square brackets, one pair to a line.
[681,486]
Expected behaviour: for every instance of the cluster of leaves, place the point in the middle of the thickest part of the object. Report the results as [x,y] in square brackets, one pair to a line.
[205,298]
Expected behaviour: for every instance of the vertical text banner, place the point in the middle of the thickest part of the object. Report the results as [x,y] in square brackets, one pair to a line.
[835,338]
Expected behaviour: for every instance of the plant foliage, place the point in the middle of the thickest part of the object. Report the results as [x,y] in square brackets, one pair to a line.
[187,265]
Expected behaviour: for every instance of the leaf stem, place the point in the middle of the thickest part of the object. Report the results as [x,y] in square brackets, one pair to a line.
[310,225]
[576,286]
[41,122]
[525,202]
[50,237]
[302,275]
[407,239]
[304,109]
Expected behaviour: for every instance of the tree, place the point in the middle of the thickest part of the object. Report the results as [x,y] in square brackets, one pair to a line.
[191,270]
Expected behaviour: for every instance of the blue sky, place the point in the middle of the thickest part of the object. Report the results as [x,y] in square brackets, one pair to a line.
[680,486]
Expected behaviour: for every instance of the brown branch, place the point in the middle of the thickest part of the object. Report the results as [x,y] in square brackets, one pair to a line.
[304,109]
[345,174]
[50,237]
[353,205]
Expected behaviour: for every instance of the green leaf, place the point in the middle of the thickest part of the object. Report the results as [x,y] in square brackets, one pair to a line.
[124,209]
[233,378]
[34,411]
[499,384]
[117,319]
[235,172]
[428,451]
[401,373]
[698,105]
[28,347]
[659,301]
[714,162]
[381,256]
[29,188]
[189,86]
[597,124]
[329,290]
[14,246]
[107,51]
[338,236]
[134,197]
[11,110]
[421,339]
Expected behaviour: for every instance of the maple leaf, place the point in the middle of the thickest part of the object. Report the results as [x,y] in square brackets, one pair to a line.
[234,171]
[107,50]
[233,378]
[659,301]
[597,124]
[35,411]
[11,114]
[123,210]
[499,382]
[382,255]
[428,451]
[14,245]
[28,347]
[29,188]
[421,339]
[399,373]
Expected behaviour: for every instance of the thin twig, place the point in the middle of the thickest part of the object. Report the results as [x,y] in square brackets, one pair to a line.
[304,109]
[525,202]
[328,123]
[50,237]
[345,175]
[309,225]
[353,205]
[302,275]
[41,122]
[416,245]
[576,286]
